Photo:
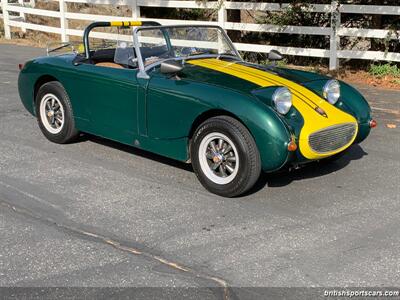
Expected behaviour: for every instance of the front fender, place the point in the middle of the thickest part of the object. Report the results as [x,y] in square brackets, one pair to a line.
[352,102]
[269,131]
[175,108]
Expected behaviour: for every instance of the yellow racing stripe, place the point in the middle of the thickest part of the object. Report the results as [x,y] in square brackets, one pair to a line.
[126,23]
[304,100]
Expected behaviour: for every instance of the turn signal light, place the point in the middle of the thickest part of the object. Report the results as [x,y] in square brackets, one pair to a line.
[373,123]
[292,146]
[21,66]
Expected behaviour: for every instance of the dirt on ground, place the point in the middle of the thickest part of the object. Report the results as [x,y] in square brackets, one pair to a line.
[385,82]
[355,76]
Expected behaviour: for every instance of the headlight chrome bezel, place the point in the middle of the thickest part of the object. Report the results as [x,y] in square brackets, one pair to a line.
[332,91]
[282,100]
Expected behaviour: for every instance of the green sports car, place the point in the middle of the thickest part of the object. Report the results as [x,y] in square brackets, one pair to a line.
[184,92]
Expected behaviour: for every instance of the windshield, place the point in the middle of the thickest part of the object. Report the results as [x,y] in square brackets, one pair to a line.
[162,43]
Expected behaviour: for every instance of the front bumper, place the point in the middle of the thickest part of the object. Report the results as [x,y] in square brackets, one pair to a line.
[328,141]
[297,159]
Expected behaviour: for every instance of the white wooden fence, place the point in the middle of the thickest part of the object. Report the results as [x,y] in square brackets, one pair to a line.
[335,31]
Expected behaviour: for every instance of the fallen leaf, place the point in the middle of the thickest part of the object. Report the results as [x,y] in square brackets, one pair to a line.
[391,126]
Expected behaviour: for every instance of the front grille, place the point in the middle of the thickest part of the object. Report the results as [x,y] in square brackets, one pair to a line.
[332,138]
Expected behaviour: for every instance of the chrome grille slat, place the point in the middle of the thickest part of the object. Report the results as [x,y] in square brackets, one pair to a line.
[332,138]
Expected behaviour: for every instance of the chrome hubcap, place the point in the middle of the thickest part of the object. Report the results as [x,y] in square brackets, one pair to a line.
[218,158]
[52,113]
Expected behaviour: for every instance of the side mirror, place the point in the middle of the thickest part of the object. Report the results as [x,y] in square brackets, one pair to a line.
[274,55]
[171,67]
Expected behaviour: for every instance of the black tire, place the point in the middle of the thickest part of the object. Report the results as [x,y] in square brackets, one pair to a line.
[67,131]
[249,162]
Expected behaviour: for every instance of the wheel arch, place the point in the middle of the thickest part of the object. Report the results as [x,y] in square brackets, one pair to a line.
[269,140]
[210,114]
[43,79]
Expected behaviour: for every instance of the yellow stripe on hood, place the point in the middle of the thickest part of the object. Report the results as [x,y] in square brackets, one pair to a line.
[304,100]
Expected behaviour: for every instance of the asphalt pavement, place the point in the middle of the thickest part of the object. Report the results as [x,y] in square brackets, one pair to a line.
[96,213]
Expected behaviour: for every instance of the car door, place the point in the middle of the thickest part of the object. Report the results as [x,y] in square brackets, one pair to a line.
[111,94]
[171,106]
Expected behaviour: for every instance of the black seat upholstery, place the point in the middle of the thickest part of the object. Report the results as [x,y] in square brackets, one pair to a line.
[103,55]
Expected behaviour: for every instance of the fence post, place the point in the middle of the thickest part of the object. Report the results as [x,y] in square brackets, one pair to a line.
[222,15]
[63,21]
[32,3]
[22,15]
[135,10]
[334,39]
[6,18]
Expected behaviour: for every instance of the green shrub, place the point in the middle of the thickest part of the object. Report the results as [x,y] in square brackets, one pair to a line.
[384,70]
[280,63]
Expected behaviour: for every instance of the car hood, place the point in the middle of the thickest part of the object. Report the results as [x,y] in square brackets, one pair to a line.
[202,70]
[317,113]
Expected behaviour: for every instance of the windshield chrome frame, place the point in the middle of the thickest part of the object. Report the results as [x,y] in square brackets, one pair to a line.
[185,58]
[142,69]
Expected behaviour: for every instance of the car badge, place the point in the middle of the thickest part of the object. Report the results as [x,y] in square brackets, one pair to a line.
[321,111]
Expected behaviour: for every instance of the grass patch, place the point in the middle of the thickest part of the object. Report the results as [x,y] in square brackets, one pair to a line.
[384,70]
[280,63]
[396,81]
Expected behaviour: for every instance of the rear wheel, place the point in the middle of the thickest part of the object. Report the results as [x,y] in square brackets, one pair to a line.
[54,113]
[225,157]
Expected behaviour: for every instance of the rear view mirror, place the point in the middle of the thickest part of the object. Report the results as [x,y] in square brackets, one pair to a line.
[274,55]
[171,67]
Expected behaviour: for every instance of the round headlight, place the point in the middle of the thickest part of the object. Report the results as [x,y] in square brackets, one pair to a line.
[282,99]
[332,91]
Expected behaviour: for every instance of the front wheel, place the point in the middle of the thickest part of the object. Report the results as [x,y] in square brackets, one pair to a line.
[225,157]
[54,113]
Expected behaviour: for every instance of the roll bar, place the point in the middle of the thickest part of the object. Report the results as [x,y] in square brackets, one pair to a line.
[91,26]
